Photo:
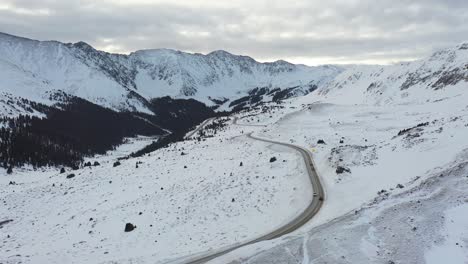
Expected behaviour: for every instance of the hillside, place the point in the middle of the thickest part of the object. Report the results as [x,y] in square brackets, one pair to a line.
[410,82]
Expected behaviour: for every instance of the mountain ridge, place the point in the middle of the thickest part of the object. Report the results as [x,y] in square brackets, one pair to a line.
[108,78]
[406,82]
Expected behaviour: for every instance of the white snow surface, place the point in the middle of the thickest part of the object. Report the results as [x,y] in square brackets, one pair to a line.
[453,248]
[210,203]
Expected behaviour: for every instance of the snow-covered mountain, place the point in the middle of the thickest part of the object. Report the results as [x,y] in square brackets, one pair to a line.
[36,70]
[418,81]
[33,70]
[388,143]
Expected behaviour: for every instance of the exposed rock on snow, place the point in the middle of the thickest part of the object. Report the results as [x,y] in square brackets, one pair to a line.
[340,170]
[129,227]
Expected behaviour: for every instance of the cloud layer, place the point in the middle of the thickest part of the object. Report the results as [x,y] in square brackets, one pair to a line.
[302,31]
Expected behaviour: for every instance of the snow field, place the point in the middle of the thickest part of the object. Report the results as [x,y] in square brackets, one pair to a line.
[211,203]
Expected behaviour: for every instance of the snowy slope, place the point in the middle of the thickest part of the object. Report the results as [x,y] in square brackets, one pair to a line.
[409,82]
[394,165]
[218,74]
[403,196]
[31,69]
[189,202]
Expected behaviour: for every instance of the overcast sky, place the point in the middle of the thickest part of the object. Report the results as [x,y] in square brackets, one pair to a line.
[301,31]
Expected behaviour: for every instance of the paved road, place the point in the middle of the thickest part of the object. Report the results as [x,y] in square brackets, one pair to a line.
[193,132]
[245,124]
[303,218]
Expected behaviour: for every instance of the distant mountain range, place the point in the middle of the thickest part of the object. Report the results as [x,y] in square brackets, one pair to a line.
[36,70]
[61,102]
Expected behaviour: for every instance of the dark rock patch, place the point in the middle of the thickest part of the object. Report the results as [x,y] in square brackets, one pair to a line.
[340,170]
[129,227]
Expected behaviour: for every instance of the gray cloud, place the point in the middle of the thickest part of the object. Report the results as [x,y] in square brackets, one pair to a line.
[338,31]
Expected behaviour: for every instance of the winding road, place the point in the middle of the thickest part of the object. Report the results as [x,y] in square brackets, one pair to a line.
[311,210]
[202,125]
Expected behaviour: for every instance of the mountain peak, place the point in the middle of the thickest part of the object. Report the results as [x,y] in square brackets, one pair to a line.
[463,46]
[83,45]
[282,63]
[157,52]
[220,53]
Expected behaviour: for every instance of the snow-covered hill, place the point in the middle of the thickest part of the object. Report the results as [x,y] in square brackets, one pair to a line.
[35,69]
[409,82]
[393,161]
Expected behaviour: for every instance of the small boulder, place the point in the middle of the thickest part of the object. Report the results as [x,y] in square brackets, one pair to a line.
[62,170]
[96,163]
[383,191]
[340,170]
[69,176]
[10,170]
[117,163]
[272,159]
[129,227]
[321,141]
[241,164]
[400,186]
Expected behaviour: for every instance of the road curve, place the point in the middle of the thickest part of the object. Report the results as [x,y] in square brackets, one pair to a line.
[311,210]
[201,126]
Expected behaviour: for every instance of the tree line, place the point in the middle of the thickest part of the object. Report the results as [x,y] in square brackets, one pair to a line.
[68,133]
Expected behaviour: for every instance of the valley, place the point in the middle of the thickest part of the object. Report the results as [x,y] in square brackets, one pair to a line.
[295,164]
